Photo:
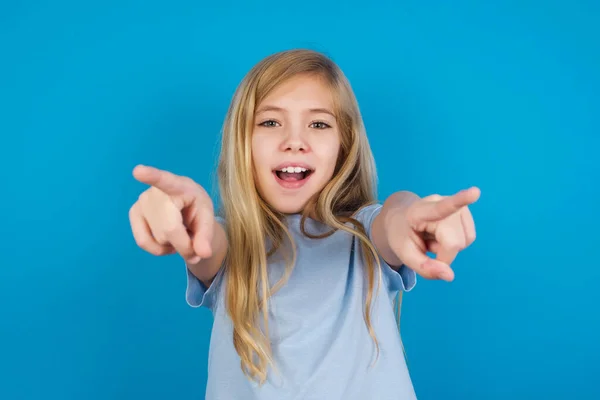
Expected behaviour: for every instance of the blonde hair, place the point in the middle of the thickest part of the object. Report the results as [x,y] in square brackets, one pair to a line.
[250,221]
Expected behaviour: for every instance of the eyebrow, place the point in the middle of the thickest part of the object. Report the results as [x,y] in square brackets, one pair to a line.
[311,110]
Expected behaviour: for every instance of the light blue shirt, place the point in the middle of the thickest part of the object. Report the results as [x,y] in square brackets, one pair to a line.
[321,345]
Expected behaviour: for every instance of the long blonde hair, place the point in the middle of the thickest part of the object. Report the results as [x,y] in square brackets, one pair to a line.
[250,221]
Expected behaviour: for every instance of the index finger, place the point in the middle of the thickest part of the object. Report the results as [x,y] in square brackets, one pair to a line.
[163,180]
[435,211]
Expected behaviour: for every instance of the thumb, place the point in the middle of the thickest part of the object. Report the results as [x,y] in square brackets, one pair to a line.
[417,260]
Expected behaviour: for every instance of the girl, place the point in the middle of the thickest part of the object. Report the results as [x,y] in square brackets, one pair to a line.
[301,265]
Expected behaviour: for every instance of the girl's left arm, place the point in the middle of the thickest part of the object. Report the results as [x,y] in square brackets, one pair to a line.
[409,226]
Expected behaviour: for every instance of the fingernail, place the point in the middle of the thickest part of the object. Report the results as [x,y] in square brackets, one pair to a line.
[447,276]
[194,260]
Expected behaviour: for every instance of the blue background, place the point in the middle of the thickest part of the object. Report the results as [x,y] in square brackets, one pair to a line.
[505,96]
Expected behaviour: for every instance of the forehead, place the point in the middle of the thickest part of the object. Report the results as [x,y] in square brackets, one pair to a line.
[303,91]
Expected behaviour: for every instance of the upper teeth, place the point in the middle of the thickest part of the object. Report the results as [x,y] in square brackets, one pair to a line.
[293,169]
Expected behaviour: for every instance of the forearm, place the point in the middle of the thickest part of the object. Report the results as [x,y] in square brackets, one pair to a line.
[384,226]
[207,268]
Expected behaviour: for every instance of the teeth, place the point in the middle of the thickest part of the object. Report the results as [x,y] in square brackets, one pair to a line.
[293,169]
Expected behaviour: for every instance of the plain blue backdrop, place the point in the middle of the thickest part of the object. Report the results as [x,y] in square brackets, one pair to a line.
[503,95]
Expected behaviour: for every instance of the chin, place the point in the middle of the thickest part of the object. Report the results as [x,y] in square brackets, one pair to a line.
[288,208]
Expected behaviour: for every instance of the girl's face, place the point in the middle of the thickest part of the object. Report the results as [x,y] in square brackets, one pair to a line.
[295,143]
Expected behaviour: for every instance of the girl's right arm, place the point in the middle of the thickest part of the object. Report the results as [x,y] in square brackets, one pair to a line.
[176,215]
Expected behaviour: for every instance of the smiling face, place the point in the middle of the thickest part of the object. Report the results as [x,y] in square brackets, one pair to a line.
[295,143]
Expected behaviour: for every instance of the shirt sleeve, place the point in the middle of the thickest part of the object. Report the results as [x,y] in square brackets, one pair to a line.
[197,294]
[402,279]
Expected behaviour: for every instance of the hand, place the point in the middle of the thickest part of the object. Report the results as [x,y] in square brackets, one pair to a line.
[174,215]
[440,225]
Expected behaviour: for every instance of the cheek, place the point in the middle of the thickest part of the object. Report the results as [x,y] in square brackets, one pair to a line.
[256,149]
[333,149]
[259,158]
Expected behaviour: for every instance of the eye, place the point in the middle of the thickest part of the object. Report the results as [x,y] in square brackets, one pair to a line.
[320,125]
[269,123]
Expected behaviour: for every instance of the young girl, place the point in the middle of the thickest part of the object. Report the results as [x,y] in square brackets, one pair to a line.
[301,266]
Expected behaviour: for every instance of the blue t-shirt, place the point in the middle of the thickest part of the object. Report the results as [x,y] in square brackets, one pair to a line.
[320,342]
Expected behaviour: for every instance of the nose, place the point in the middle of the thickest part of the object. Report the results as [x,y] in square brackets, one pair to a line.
[295,141]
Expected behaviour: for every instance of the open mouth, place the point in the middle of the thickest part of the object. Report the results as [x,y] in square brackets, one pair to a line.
[293,176]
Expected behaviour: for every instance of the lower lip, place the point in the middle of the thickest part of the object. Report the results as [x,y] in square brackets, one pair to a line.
[292,184]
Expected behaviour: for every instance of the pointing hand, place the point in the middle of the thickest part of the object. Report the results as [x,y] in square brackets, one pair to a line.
[440,225]
[174,215]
